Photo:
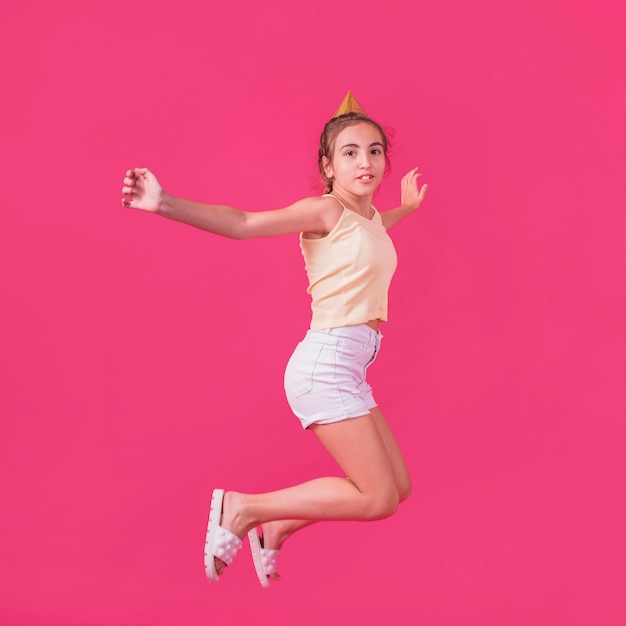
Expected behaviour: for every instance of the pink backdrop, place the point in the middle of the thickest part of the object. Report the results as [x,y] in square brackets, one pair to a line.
[128,390]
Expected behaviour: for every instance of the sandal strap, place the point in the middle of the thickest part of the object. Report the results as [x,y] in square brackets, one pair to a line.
[226,545]
[269,558]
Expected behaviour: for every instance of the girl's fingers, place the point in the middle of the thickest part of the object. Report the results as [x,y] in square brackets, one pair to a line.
[131,180]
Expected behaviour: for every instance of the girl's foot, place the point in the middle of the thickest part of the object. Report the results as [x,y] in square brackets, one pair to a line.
[221,545]
[264,559]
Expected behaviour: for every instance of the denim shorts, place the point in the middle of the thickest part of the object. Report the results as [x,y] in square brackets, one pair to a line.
[325,377]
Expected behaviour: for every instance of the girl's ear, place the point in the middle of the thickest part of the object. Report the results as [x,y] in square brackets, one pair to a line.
[328,167]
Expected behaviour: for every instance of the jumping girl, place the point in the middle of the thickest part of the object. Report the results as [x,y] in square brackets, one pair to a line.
[349,260]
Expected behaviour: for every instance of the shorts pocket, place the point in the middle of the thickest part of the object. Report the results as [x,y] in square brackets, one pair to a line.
[350,348]
[299,372]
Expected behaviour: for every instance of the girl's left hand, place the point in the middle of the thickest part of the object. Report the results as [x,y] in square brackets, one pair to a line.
[412,195]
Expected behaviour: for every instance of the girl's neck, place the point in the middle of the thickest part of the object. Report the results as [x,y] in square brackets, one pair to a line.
[359,204]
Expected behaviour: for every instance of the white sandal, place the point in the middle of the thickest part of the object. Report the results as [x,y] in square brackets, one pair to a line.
[220,543]
[264,560]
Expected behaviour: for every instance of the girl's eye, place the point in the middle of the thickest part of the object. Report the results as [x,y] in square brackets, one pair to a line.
[376,151]
[350,153]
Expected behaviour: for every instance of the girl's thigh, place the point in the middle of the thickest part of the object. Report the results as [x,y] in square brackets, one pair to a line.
[359,449]
[400,470]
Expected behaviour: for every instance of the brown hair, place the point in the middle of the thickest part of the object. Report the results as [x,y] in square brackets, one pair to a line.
[331,132]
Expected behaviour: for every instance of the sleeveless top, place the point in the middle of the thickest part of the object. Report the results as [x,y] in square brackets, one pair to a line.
[349,271]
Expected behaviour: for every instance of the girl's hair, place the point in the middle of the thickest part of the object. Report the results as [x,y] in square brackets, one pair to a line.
[331,132]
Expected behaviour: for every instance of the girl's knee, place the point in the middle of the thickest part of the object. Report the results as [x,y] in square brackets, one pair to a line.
[383,505]
[405,489]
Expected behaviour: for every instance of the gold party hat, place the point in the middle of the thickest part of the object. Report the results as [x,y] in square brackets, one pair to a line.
[349,105]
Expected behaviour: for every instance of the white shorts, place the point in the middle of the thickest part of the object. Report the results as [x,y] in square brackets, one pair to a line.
[325,377]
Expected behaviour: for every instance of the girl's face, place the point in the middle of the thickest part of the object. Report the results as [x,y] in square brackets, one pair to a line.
[358,162]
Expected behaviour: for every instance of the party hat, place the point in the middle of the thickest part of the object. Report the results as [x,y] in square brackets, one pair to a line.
[349,105]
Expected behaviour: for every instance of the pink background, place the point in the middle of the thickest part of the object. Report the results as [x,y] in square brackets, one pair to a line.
[142,361]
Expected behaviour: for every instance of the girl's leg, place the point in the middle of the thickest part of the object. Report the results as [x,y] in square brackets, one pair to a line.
[368,493]
[400,470]
[276,532]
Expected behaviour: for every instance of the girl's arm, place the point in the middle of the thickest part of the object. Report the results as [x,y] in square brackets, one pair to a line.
[143,191]
[412,196]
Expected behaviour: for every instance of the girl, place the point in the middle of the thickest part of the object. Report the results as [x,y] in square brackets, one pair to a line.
[349,261]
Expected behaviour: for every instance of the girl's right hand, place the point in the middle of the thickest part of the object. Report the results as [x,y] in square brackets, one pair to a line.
[142,190]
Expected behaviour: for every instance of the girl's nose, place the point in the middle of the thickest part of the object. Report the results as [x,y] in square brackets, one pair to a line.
[364,161]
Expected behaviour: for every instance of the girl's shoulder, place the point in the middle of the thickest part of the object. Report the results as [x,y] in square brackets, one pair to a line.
[326,203]
[326,207]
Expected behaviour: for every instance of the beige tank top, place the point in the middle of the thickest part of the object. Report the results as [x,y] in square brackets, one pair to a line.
[349,271]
